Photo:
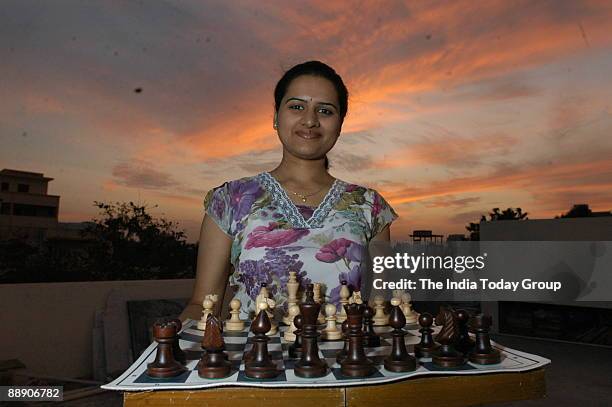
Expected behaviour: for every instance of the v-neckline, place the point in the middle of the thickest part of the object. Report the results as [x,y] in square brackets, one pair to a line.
[290,208]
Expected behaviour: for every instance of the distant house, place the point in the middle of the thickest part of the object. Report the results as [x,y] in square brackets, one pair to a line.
[28,212]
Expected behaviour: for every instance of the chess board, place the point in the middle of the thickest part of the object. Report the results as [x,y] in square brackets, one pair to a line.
[237,343]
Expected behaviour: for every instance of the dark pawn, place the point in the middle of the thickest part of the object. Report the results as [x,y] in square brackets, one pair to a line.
[370,339]
[447,355]
[483,353]
[214,363]
[178,353]
[427,346]
[164,365]
[295,349]
[464,343]
[259,365]
[310,365]
[341,354]
[356,364]
[399,360]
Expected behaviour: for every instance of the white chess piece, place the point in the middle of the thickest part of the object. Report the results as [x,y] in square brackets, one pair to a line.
[289,336]
[331,331]
[406,307]
[292,289]
[207,305]
[234,323]
[356,298]
[380,318]
[344,300]
[270,311]
[318,300]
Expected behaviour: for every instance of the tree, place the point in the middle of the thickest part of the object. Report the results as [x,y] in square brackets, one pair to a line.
[496,214]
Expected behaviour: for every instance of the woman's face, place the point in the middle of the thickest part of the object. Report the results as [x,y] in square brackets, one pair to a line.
[308,117]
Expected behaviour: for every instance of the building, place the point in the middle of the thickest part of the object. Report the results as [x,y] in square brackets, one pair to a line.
[28,212]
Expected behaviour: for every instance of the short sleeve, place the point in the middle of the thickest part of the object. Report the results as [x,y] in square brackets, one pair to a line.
[381,215]
[217,205]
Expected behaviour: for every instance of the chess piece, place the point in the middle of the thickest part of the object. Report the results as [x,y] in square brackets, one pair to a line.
[289,334]
[264,296]
[214,363]
[447,355]
[164,365]
[483,353]
[380,318]
[234,323]
[208,305]
[341,354]
[356,298]
[427,346]
[292,289]
[464,343]
[295,350]
[318,299]
[345,293]
[310,365]
[399,360]
[370,338]
[409,313]
[356,364]
[178,353]
[259,365]
[331,331]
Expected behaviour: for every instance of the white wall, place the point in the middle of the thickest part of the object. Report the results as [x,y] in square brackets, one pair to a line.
[48,326]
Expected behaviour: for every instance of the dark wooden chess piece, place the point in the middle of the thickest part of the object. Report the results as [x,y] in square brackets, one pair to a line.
[310,365]
[427,346]
[370,338]
[259,365]
[295,349]
[164,365]
[214,363]
[447,355]
[178,353]
[356,364]
[464,343]
[399,360]
[483,353]
[341,354]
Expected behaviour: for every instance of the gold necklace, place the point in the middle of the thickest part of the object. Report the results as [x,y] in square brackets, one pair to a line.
[303,197]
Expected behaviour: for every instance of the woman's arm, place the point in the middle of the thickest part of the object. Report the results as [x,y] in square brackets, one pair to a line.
[384,235]
[212,268]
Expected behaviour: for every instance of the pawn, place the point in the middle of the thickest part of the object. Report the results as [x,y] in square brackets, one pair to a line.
[331,331]
[234,323]
[319,300]
[295,350]
[341,354]
[345,293]
[273,325]
[164,365]
[259,365]
[370,338]
[399,360]
[289,334]
[208,305]
[380,318]
[427,346]
[463,343]
[409,313]
[483,353]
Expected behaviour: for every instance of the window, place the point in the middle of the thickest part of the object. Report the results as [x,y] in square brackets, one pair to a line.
[5,208]
[5,186]
[23,188]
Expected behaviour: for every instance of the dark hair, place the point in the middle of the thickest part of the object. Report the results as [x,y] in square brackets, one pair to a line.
[313,68]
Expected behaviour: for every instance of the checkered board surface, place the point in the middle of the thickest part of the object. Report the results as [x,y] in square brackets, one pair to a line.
[236,343]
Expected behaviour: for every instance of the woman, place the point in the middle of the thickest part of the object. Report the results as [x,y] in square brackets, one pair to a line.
[296,217]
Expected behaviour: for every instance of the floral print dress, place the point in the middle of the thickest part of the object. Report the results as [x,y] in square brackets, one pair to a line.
[272,236]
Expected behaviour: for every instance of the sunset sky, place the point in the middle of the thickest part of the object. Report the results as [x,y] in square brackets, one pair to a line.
[455,107]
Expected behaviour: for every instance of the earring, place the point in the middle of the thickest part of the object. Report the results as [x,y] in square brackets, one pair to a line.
[275,125]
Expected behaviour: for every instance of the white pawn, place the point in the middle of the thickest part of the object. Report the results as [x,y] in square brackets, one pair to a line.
[271,304]
[317,298]
[234,323]
[331,331]
[406,307]
[380,318]
[344,300]
[289,335]
[208,305]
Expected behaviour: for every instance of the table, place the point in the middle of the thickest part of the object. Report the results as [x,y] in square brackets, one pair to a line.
[432,391]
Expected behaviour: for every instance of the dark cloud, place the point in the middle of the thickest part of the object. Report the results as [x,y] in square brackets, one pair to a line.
[449,201]
[142,176]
